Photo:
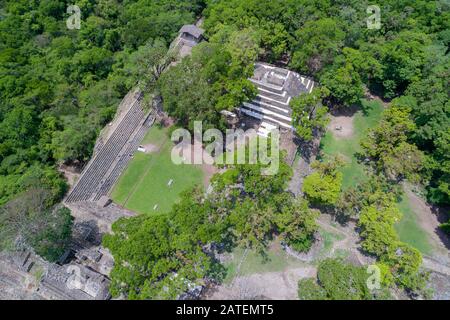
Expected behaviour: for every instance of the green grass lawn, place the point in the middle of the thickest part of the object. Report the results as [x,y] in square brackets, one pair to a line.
[409,230]
[329,238]
[353,172]
[277,260]
[364,119]
[144,183]
[156,135]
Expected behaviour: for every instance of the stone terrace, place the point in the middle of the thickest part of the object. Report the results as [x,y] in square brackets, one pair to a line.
[276,87]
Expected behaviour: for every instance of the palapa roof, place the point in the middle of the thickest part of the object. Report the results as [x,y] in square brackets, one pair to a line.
[192,29]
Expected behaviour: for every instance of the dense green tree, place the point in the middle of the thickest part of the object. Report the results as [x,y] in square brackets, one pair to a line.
[405,262]
[428,99]
[336,280]
[207,82]
[147,64]
[274,21]
[403,59]
[264,187]
[252,224]
[376,192]
[387,146]
[161,257]
[297,224]
[309,114]
[274,39]
[148,261]
[345,84]
[18,180]
[318,43]
[369,68]
[377,228]
[323,187]
[70,144]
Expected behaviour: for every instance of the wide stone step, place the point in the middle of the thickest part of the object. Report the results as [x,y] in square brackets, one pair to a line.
[266,117]
[269,87]
[267,111]
[273,102]
[275,108]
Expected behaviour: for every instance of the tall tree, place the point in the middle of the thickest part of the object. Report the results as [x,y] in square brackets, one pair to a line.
[387,146]
[336,280]
[323,187]
[309,114]
[345,85]
[318,42]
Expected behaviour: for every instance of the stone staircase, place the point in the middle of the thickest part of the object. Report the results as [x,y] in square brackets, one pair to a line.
[276,87]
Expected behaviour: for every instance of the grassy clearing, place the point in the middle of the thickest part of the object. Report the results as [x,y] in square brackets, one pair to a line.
[144,183]
[277,260]
[156,136]
[353,172]
[329,238]
[363,120]
[409,230]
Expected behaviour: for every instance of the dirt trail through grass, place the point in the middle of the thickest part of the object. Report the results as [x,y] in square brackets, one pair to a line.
[348,243]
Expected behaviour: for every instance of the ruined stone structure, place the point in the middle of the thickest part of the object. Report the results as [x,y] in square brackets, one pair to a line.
[74,282]
[189,36]
[80,274]
[107,164]
[276,87]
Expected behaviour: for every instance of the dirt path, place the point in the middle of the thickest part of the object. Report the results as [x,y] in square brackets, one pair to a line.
[436,266]
[301,169]
[269,285]
[348,243]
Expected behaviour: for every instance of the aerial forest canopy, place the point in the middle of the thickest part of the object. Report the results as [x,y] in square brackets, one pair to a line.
[407,57]
[60,87]
[161,256]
